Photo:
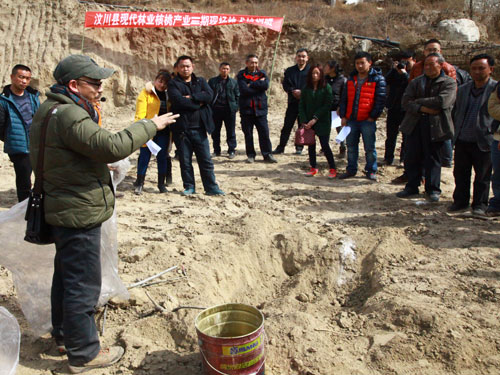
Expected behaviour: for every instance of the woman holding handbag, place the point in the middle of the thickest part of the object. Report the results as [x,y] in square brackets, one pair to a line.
[314,113]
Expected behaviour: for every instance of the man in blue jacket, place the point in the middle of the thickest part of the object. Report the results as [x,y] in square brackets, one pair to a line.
[253,84]
[18,104]
[191,97]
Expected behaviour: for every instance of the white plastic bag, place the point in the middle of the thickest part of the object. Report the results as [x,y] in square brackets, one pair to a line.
[32,265]
[10,339]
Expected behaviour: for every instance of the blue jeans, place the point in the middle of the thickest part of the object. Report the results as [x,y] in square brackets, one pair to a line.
[161,139]
[447,157]
[76,286]
[367,130]
[494,204]
[187,142]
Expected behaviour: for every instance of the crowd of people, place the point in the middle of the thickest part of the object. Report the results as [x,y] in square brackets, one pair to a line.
[437,107]
[440,110]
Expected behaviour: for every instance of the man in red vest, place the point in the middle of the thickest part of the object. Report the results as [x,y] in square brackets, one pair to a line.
[362,102]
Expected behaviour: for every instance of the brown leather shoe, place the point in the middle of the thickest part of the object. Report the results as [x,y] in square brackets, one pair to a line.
[105,358]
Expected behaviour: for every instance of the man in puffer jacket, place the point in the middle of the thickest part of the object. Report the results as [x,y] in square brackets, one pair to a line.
[362,102]
[79,197]
[18,104]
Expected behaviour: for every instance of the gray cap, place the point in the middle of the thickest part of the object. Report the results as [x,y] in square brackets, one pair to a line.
[77,66]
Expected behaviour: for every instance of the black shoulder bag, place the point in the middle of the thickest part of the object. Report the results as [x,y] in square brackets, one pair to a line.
[37,230]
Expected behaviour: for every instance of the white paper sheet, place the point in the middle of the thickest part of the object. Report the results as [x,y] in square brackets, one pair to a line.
[153,147]
[336,120]
[343,134]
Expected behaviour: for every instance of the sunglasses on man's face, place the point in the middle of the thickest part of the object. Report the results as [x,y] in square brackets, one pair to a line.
[95,84]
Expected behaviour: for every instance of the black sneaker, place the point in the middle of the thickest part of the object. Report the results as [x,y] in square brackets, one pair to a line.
[400,180]
[270,159]
[405,194]
[231,155]
[433,197]
[345,175]
[250,160]
[478,211]
[456,207]
[278,150]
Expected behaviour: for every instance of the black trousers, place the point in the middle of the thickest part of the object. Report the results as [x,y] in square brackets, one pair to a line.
[394,119]
[324,141]
[468,156]
[420,152]
[229,118]
[291,116]
[76,286]
[260,122]
[22,168]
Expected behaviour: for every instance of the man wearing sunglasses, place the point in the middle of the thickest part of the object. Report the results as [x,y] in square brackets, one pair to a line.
[79,197]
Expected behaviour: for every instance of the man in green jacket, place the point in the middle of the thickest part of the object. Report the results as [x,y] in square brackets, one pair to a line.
[79,197]
[224,108]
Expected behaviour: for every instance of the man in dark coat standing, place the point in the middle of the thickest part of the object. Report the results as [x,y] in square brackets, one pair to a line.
[224,107]
[473,137]
[397,81]
[191,97]
[428,101]
[293,83]
[253,84]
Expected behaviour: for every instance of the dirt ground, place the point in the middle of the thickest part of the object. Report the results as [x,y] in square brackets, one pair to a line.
[419,294]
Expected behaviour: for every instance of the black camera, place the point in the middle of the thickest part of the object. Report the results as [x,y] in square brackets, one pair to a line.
[402,65]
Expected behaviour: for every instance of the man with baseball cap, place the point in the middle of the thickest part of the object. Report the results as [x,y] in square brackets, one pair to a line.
[79,197]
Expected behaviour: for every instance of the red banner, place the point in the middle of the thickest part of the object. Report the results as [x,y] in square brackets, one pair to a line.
[171,19]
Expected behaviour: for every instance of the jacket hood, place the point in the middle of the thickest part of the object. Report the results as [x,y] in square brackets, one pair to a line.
[149,87]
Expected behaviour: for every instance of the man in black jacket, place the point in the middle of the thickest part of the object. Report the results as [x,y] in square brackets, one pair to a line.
[253,84]
[293,83]
[191,97]
[224,107]
[397,81]
[473,137]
